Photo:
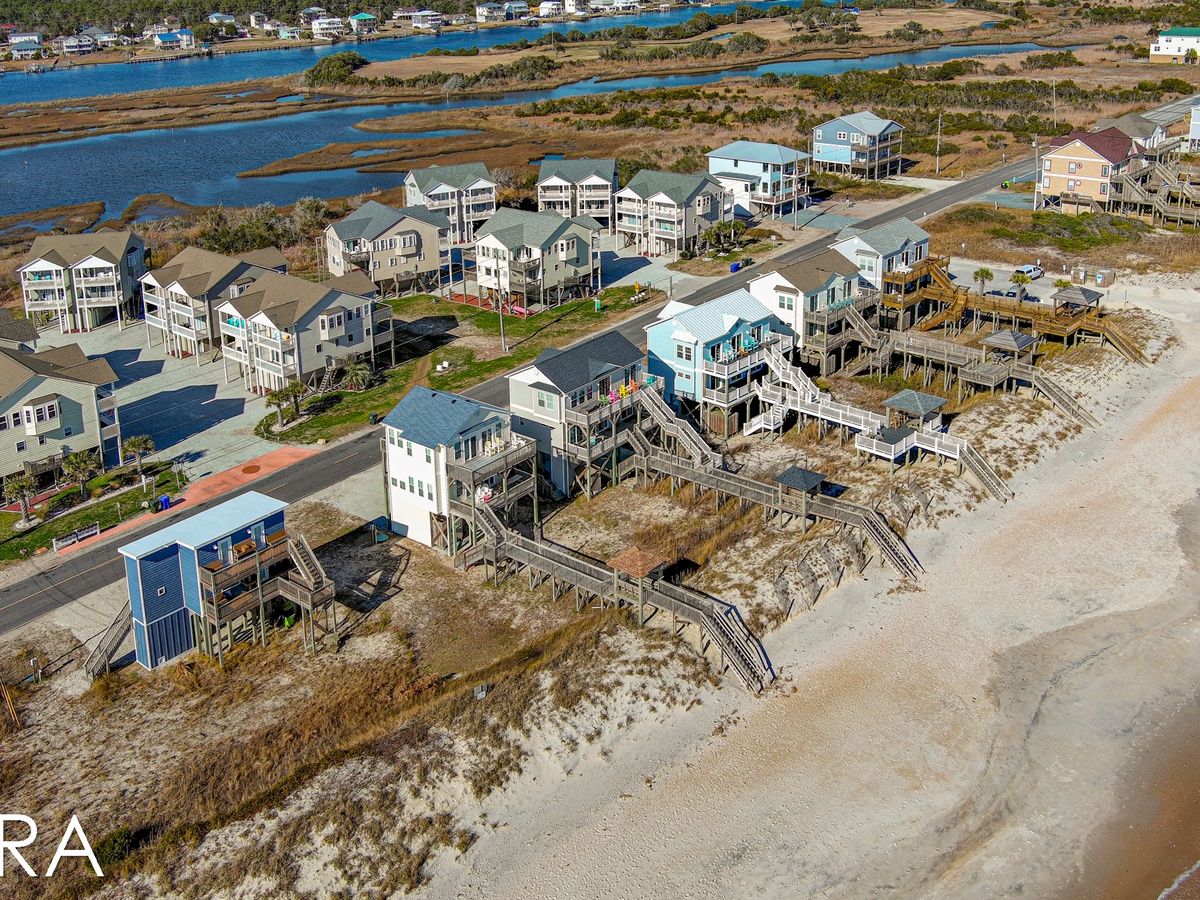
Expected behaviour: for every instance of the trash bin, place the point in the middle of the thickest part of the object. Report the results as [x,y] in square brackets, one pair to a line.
[165,501]
[373,418]
[597,304]
[733,267]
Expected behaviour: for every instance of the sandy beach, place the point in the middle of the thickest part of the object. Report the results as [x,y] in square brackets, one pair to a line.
[1014,726]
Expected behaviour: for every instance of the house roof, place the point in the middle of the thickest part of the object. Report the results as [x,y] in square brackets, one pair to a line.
[1180,32]
[68,362]
[587,222]
[267,257]
[436,418]
[284,299]
[1111,144]
[373,218]
[356,283]
[69,249]
[799,479]
[1076,295]
[209,526]
[576,170]
[915,403]
[14,329]
[1010,341]
[1132,124]
[866,122]
[756,151]
[516,228]
[716,318]
[197,271]
[571,369]
[812,274]
[888,238]
[637,562]
[678,188]
[458,176]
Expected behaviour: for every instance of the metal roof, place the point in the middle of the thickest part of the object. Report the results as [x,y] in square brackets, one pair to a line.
[717,317]
[915,403]
[582,364]
[800,479]
[437,418]
[756,151]
[209,526]
[1010,341]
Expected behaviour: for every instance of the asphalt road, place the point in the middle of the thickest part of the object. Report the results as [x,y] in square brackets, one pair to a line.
[85,571]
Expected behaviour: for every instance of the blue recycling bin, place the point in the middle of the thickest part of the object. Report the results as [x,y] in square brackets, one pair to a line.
[164,501]
[733,267]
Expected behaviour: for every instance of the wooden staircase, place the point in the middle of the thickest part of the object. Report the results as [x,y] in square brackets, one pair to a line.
[100,659]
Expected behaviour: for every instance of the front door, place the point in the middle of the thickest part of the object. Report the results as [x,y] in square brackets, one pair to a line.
[257,532]
[225,551]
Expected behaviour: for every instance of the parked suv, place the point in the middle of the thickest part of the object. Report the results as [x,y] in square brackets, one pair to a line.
[1034,272]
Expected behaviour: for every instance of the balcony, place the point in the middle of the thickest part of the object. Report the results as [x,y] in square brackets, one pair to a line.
[108,278]
[278,367]
[599,410]
[485,466]
[725,396]
[233,331]
[40,301]
[217,575]
[155,321]
[837,313]
[734,362]
[381,312]
[36,279]
[37,467]
[235,353]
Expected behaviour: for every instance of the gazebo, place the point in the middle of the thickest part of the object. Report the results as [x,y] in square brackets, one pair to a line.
[798,481]
[909,407]
[640,565]
[1077,297]
[1010,343]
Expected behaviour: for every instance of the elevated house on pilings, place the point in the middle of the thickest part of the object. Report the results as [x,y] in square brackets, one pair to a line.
[813,298]
[574,403]
[445,456]
[711,356]
[221,576]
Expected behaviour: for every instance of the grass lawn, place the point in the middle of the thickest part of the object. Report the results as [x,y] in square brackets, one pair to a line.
[435,324]
[718,263]
[17,545]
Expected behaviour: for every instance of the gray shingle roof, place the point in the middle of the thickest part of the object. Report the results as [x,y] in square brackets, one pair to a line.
[800,479]
[576,170]
[889,237]
[435,418]
[516,228]
[197,270]
[1132,124]
[68,361]
[571,369]
[866,122]
[679,188]
[810,275]
[14,329]
[1010,341]
[458,176]
[286,299]
[915,403]
[372,219]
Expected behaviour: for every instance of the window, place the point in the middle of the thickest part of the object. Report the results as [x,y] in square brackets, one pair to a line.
[1046,166]
[1104,188]
[1104,170]
[817,134]
[4,423]
[20,446]
[856,138]
[67,431]
[683,352]
[375,264]
[41,440]
[408,447]
[392,261]
[420,489]
[1071,168]
[428,455]
[786,302]
[1045,182]
[545,400]
[395,483]
[391,437]
[841,135]
[162,592]
[16,420]
[411,485]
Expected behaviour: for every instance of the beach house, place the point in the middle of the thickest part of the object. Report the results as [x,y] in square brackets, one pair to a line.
[25,44]
[554,397]
[78,45]
[860,145]
[52,404]
[1148,133]
[327,28]
[464,193]
[550,9]
[536,259]
[311,13]
[664,213]
[427,20]
[489,12]
[1176,45]
[288,32]
[890,247]
[398,249]
[364,23]
[516,9]
[259,20]
[578,187]
[221,19]
[709,357]
[1077,173]
[812,298]
[760,179]
[83,280]
[183,39]
[282,329]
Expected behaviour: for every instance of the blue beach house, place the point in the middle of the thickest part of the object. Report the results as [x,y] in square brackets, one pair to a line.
[173,573]
[861,145]
[712,355]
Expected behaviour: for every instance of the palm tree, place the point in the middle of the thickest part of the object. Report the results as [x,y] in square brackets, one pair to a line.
[1021,280]
[356,376]
[20,489]
[295,392]
[982,277]
[278,400]
[1062,283]
[79,466]
[138,446]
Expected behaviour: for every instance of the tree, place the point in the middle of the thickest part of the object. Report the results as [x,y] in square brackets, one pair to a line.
[278,400]
[309,213]
[1062,283]
[138,446]
[1020,279]
[79,466]
[1191,56]
[295,392]
[356,376]
[20,489]
[982,277]
[204,33]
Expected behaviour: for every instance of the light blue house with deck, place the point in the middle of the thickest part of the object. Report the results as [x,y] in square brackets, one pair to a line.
[712,355]
[861,145]
[761,178]
[171,573]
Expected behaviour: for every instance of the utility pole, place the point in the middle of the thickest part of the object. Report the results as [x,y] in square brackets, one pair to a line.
[937,166]
[1037,175]
[1054,100]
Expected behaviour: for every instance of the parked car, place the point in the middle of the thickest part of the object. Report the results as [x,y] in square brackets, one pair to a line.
[1034,272]
[1016,292]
